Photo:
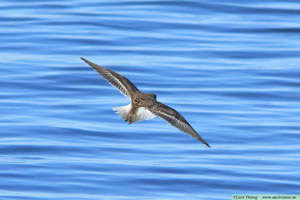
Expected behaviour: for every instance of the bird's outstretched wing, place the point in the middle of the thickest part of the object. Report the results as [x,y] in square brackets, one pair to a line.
[118,81]
[176,120]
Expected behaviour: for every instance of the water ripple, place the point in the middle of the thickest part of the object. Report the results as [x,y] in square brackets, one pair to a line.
[230,67]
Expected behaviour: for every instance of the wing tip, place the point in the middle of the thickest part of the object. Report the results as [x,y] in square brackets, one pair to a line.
[84,59]
[207,145]
[203,141]
[93,65]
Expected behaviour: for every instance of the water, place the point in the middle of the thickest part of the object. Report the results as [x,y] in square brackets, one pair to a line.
[230,67]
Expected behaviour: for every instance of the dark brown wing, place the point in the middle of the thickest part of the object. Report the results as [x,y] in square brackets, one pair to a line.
[176,120]
[118,81]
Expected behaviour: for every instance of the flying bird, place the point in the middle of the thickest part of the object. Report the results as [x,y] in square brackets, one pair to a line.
[143,105]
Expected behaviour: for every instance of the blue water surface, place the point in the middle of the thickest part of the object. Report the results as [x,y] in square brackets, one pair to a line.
[230,67]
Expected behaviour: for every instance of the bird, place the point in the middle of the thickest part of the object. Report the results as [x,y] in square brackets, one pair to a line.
[143,105]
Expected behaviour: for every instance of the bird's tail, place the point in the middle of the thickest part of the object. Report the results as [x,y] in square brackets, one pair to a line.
[132,114]
[123,111]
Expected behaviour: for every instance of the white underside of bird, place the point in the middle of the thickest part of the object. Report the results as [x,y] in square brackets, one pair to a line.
[141,113]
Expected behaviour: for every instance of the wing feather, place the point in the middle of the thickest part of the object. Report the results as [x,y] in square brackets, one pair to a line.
[118,81]
[175,119]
